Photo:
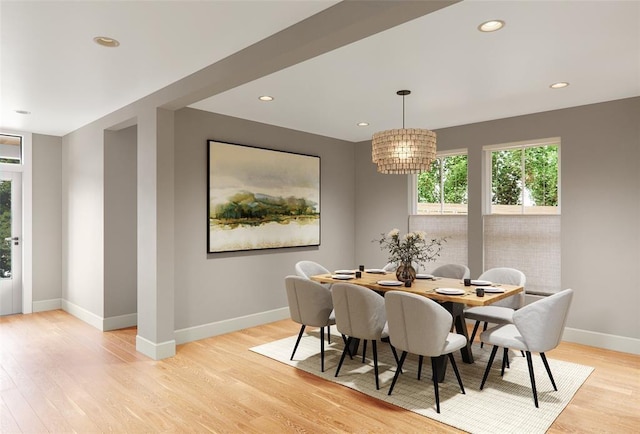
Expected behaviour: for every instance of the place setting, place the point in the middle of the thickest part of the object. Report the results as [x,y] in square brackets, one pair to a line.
[425,276]
[345,274]
[375,271]
[390,283]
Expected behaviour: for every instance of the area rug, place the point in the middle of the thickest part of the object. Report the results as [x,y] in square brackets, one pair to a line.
[505,405]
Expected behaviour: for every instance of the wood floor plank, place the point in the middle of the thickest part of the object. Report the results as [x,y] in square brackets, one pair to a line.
[7,422]
[23,415]
[58,374]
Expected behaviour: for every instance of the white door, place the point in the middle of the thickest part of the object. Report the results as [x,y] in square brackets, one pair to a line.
[10,243]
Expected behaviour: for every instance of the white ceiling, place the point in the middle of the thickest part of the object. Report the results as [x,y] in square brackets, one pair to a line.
[457,75]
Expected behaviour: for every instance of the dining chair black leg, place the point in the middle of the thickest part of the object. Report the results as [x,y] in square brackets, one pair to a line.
[434,368]
[522,352]
[375,362]
[508,366]
[344,353]
[364,349]
[344,339]
[484,328]
[395,377]
[533,378]
[546,365]
[455,370]
[393,349]
[505,355]
[395,354]
[473,334]
[489,363]
[328,334]
[321,349]
[420,359]
[295,347]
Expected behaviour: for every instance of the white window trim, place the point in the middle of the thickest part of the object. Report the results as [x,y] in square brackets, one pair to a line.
[487,179]
[413,180]
[27,212]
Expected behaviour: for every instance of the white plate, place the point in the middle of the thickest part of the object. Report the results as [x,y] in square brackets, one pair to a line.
[390,283]
[425,276]
[493,289]
[480,282]
[450,291]
[345,271]
[342,276]
[375,270]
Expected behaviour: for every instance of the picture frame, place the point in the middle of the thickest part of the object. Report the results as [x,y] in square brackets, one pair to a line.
[261,198]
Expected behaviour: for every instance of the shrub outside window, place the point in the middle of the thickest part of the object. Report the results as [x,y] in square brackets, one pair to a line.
[443,189]
[525,179]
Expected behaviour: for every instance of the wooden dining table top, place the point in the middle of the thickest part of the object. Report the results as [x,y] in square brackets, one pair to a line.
[427,288]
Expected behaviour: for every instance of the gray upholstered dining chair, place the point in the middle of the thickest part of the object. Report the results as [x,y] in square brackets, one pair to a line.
[501,311]
[537,327]
[390,266]
[452,271]
[421,326]
[360,315]
[309,268]
[310,304]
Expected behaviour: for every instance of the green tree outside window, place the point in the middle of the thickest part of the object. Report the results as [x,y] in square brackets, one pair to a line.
[539,171]
[445,182]
[5,228]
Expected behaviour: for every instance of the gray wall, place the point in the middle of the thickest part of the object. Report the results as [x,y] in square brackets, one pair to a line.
[83,221]
[120,222]
[216,287]
[600,188]
[46,218]
[382,204]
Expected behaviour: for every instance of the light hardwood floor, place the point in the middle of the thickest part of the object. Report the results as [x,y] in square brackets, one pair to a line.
[58,374]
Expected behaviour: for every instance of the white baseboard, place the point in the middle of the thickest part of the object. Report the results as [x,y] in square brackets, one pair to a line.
[82,314]
[230,325]
[103,324]
[45,305]
[162,350]
[120,322]
[602,340]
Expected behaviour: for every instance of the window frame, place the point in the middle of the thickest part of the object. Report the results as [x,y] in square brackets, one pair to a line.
[20,160]
[27,212]
[488,179]
[413,183]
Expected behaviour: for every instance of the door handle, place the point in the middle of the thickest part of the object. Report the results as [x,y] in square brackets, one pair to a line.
[14,239]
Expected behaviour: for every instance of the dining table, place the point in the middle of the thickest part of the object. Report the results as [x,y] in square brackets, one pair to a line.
[440,289]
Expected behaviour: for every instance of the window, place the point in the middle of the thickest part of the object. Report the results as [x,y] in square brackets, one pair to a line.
[453,228]
[10,149]
[523,198]
[443,189]
[525,178]
[529,243]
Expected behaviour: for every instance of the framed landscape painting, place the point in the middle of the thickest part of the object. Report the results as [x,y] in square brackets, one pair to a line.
[261,198]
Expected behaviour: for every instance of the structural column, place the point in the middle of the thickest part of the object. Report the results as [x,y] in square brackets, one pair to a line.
[156,234]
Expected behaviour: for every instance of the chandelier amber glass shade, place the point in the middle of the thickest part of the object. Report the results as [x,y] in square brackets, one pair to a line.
[404,151]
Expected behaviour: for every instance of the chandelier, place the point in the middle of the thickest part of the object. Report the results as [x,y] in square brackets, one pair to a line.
[403,151]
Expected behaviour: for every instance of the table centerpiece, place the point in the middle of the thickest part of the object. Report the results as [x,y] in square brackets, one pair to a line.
[412,248]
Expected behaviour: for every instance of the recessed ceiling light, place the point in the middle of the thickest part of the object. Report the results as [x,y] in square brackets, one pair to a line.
[23,112]
[559,85]
[491,26]
[363,124]
[266,98]
[105,41]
